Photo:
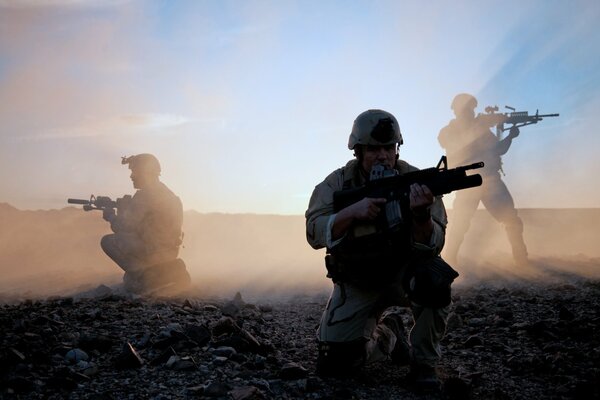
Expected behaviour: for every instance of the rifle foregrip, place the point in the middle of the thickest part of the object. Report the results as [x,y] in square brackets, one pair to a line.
[469,182]
[78,201]
[440,187]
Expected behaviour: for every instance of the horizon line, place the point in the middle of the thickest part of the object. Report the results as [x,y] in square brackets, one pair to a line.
[281,214]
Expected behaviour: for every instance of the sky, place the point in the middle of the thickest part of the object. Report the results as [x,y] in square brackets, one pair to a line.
[249,104]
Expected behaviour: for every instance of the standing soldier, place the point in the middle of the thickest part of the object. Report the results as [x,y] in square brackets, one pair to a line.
[469,139]
[359,324]
[147,231]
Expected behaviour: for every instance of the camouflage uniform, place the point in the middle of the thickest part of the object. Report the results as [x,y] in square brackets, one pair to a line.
[472,141]
[148,232]
[351,321]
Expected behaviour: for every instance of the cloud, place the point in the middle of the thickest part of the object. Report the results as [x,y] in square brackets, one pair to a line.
[154,121]
[60,67]
[129,124]
[23,4]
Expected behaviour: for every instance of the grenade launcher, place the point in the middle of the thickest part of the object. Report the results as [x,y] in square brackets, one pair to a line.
[396,188]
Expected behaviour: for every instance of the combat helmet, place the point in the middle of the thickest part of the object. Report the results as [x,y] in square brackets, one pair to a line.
[375,127]
[463,101]
[145,162]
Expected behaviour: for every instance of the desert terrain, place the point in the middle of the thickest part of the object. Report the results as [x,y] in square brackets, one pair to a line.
[246,328]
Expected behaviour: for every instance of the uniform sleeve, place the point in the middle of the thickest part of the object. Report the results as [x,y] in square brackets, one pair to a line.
[128,220]
[161,229]
[438,236]
[443,137]
[503,145]
[155,217]
[453,143]
[320,215]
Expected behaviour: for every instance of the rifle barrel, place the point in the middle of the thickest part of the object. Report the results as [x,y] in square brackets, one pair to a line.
[472,166]
[78,201]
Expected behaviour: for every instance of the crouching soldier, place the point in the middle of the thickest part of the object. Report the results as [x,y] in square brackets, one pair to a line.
[374,271]
[147,232]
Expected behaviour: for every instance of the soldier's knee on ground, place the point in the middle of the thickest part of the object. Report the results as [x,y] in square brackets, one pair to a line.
[400,353]
[340,359]
[134,282]
[424,377]
[172,273]
[169,272]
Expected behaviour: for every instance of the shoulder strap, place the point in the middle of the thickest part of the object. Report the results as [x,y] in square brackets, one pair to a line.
[349,174]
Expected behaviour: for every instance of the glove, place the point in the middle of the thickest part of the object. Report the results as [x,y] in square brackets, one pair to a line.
[108,214]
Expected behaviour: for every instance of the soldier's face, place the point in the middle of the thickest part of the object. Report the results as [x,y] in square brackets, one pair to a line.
[378,155]
[139,178]
[465,113]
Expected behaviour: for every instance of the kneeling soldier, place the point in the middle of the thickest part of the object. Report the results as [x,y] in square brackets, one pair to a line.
[374,270]
[147,231]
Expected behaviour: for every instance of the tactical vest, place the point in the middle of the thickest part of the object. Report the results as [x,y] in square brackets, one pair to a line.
[373,259]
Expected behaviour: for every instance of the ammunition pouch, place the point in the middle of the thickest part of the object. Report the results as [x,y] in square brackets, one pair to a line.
[372,275]
[369,262]
[428,282]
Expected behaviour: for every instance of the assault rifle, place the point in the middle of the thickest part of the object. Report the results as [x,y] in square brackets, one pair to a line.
[516,118]
[102,203]
[396,188]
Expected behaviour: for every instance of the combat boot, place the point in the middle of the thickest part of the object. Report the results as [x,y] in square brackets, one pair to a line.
[340,359]
[424,378]
[133,282]
[401,353]
[514,232]
[168,278]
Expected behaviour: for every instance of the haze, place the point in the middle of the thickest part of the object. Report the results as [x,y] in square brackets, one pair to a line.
[57,252]
[249,104]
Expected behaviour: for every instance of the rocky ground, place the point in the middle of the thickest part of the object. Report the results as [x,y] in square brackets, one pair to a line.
[503,342]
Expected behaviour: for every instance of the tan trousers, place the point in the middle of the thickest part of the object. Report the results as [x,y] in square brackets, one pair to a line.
[353,314]
[130,253]
[496,198]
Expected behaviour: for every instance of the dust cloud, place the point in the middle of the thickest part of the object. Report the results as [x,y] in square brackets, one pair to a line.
[57,252]
[562,245]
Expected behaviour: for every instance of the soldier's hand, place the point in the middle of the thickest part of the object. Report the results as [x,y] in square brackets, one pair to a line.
[513,132]
[421,199]
[108,214]
[368,208]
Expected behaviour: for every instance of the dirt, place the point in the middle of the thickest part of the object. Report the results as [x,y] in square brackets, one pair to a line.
[504,341]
